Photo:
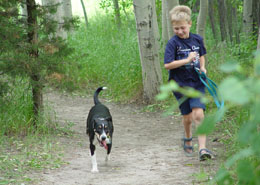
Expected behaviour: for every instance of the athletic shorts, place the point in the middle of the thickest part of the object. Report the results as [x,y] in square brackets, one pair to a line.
[190,103]
[187,106]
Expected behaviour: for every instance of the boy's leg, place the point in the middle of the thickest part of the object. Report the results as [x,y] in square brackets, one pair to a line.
[187,123]
[197,117]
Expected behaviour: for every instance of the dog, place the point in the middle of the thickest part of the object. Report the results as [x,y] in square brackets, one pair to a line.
[99,125]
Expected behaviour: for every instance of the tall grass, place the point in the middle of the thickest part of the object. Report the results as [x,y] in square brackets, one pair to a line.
[17,111]
[22,148]
[106,56]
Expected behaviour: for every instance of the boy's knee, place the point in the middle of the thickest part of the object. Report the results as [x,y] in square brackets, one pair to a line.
[187,119]
[197,114]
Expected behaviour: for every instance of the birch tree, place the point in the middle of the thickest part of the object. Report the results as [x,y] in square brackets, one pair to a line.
[170,4]
[167,31]
[164,24]
[155,26]
[64,12]
[248,17]
[202,18]
[149,56]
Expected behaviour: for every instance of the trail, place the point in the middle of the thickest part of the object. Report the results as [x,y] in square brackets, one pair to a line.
[146,148]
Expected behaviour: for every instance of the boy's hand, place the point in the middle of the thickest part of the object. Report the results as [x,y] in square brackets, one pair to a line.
[202,69]
[192,56]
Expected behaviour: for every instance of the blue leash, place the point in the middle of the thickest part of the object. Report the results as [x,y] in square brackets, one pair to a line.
[212,88]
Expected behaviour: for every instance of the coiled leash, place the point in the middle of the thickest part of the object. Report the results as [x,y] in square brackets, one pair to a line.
[212,88]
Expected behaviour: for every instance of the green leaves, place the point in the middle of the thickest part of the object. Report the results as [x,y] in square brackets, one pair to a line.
[230,67]
[235,91]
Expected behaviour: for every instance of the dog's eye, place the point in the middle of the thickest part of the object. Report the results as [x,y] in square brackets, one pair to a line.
[99,126]
[105,126]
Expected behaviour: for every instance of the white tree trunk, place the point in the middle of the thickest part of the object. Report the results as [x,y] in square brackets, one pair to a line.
[151,70]
[64,11]
[248,17]
[165,36]
[170,4]
[202,18]
[155,26]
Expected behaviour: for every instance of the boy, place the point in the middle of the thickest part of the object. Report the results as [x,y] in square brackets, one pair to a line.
[183,52]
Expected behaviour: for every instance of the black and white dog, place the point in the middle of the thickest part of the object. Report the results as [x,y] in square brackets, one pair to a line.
[99,125]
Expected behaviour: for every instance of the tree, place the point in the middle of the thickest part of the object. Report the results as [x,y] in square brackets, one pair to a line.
[170,4]
[117,13]
[27,50]
[212,18]
[151,70]
[202,18]
[62,14]
[85,12]
[222,19]
[258,41]
[155,26]
[248,17]
[167,31]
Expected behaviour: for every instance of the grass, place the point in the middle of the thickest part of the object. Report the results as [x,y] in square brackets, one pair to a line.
[22,150]
[105,56]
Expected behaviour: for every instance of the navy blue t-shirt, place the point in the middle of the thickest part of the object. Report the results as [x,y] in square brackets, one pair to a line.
[178,49]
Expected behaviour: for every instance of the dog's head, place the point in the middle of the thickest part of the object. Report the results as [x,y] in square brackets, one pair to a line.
[103,129]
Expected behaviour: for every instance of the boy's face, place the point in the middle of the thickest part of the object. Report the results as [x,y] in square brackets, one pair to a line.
[182,29]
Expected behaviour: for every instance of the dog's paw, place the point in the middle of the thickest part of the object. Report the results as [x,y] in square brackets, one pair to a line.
[107,158]
[94,170]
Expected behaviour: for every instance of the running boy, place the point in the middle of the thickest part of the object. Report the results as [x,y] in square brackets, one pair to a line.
[183,52]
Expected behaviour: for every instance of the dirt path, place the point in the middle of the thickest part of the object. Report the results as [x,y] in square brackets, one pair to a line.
[146,149]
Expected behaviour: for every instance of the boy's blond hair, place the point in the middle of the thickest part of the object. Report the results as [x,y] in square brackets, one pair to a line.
[180,13]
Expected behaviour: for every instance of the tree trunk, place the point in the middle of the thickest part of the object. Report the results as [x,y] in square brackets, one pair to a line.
[212,18]
[85,13]
[256,14]
[222,17]
[202,18]
[165,36]
[170,4]
[64,10]
[248,18]
[151,70]
[230,20]
[156,28]
[35,77]
[258,41]
[117,13]
[24,8]
[236,26]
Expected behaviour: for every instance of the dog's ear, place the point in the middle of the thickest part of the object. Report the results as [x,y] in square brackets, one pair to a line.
[94,123]
[109,119]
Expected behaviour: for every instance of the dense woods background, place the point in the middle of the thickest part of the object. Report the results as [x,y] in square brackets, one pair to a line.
[43,46]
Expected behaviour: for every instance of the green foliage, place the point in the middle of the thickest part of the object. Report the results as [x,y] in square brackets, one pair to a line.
[245,163]
[16,111]
[105,56]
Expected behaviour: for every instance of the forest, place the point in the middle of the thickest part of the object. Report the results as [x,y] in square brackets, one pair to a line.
[47,47]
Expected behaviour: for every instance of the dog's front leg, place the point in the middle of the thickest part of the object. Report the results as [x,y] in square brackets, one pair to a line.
[109,146]
[93,158]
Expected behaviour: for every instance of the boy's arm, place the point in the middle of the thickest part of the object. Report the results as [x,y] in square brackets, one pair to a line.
[178,63]
[202,64]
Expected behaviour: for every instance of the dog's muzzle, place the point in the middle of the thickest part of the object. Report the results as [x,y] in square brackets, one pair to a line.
[103,140]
